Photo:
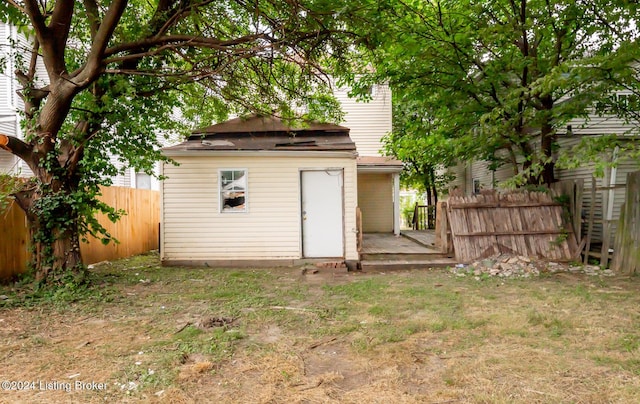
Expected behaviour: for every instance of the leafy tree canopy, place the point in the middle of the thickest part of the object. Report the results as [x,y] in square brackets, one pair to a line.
[103,78]
[502,76]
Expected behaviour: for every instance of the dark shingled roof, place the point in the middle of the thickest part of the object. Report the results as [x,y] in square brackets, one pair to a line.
[268,133]
[264,124]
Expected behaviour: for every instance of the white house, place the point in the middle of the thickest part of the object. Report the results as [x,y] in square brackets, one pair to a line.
[10,103]
[610,188]
[12,42]
[378,176]
[258,192]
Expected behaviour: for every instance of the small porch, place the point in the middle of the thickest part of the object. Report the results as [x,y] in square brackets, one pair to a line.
[410,250]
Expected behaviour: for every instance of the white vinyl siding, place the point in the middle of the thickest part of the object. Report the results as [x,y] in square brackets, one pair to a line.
[459,173]
[585,172]
[480,172]
[124,178]
[375,199]
[10,103]
[465,174]
[6,75]
[8,162]
[9,39]
[194,229]
[369,121]
[600,125]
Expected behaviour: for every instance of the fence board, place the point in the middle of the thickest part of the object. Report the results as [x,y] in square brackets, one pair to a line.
[13,242]
[626,257]
[137,231]
[522,223]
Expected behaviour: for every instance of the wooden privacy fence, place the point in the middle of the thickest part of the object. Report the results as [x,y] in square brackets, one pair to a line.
[137,231]
[626,256]
[14,251]
[522,223]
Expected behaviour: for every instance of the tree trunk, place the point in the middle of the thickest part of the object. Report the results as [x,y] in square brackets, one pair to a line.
[548,166]
[428,189]
[67,260]
[547,141]
[434,188]
[53,230]
[426,182]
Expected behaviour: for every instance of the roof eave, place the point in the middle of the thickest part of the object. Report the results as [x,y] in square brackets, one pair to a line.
[262,153]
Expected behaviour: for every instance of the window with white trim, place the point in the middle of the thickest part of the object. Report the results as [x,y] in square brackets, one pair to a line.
[143,181]
[233,190]
[476,186]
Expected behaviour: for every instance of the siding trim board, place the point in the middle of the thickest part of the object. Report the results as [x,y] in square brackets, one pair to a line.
[379,169]
[266,153]
[243,263]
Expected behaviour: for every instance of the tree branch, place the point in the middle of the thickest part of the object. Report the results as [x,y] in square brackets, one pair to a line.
[15,146]
[93,16]
[94,61]
[36,17]
[182,41]
[167,15]
[17,6]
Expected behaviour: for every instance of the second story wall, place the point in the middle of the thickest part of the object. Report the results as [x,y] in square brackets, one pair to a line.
[8,83]
[369,121]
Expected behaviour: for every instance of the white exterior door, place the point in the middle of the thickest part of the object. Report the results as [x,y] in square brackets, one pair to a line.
[322,214]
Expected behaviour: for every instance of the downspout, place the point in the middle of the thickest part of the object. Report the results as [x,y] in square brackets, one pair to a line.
[606,225]
[396,203]
[612,184]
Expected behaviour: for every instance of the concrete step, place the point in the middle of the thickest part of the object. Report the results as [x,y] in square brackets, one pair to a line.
[402,256]
[379,265]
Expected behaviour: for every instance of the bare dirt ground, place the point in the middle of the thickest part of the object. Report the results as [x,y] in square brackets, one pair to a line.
[180,335]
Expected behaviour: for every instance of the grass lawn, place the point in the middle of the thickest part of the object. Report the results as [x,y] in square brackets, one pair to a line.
[153,334]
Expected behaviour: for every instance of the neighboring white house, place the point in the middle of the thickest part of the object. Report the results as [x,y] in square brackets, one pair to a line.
[378,176]
[257,192]
[10,103]
[474,175]
[11,106]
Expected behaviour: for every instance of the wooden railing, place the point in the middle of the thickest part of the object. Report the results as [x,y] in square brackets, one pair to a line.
[424,217]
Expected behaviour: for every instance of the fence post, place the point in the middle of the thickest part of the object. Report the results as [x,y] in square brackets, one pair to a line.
[442,227]
[626,255]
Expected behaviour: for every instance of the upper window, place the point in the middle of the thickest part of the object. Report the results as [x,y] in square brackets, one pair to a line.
[476,186]
[143,181]
[371,91]
[233,190]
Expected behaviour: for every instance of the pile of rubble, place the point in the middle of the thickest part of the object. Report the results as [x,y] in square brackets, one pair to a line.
[515,266]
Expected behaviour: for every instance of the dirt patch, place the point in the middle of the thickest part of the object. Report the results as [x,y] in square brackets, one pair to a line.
[203,335]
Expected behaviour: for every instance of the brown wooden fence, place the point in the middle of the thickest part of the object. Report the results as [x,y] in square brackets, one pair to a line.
[626,257]
[522,223]
[137,231]
[13,242]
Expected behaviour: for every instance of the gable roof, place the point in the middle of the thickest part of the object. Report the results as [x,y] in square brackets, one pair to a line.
[264,124]
[268,133]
